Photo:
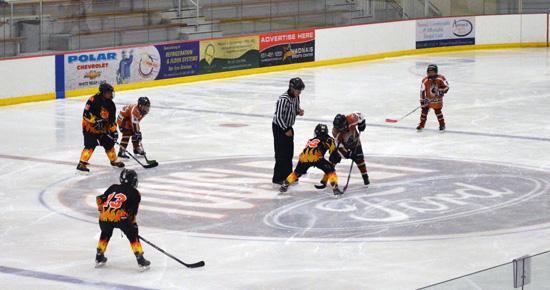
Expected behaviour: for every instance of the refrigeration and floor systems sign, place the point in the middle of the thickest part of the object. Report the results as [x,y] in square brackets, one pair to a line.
[130,65]
[287,47]
[445,32]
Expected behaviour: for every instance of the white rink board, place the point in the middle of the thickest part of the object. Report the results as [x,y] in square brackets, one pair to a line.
[534,27]
[342,42]
[504,29]
[27,76]
[498,29]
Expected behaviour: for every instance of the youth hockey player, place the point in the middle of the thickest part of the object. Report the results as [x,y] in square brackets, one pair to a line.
[313,156]
[434,87]
[128,120]
[99,126]
[118,208]
[346,131]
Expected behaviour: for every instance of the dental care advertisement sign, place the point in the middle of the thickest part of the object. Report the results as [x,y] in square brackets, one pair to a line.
[445,32]
[130,65]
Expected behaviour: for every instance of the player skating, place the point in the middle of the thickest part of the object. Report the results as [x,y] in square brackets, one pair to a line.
[434,87]
[99,126]
[346,131]
[128,120]
[118,208]
[313,156]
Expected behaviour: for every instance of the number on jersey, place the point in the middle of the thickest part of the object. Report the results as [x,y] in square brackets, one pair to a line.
[115,200]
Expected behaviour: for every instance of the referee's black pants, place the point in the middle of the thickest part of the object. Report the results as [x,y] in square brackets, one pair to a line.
[284,152]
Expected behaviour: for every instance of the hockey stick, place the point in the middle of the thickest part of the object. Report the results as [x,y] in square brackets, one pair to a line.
[193,265]
[349,175]
[408,114]
[150,162]
[147,166]
[350,167]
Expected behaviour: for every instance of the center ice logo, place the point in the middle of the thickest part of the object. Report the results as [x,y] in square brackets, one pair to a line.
[410,198]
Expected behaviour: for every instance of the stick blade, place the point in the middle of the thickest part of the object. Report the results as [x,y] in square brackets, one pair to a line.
[151,164]
[391,121]
[196,265]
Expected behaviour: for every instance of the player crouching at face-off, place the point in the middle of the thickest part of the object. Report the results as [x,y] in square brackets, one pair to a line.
[118,208]
[128,120]
[346,131]
[313,155]
[99,126]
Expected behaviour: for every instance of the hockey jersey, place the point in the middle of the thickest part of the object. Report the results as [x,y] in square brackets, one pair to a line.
[97,108]
[433,90]
[129,118]
[119,202]
[349,138]
[316,149]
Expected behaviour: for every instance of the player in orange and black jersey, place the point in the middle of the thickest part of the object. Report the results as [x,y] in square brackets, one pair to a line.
[347,131]
[433,89]
[313,156]
[118,208]
[99,126]
[128,121]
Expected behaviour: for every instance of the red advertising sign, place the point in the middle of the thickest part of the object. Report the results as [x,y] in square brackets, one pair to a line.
[287,47]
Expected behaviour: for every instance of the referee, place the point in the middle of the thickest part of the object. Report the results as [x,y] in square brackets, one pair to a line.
[288,106]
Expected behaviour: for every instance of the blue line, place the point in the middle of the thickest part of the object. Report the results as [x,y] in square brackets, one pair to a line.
[517,137]
[66,279]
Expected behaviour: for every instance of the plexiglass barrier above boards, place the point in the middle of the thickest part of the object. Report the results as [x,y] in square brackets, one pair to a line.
[31,27]
[526,273]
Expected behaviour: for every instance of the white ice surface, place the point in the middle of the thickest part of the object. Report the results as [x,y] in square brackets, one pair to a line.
[493,92]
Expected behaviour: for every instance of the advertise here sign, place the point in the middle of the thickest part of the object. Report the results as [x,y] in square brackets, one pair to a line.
[130,65]
[287,47]
[445,32]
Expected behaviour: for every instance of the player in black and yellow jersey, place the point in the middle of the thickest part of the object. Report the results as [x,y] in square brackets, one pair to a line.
[118,208]
[99,126]
[313,156]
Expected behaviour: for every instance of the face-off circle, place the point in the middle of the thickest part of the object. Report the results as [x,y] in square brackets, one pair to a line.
[410,198]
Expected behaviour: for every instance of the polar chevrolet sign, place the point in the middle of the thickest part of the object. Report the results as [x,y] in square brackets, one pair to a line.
[410,198]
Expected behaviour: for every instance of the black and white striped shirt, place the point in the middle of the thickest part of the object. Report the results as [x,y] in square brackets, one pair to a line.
[285,113]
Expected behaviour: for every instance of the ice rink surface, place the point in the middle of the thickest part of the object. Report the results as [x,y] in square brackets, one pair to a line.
[440,204]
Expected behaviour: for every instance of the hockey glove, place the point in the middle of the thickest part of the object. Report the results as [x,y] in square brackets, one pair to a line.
[99,124]
[424,102]
[137,137]
[362,126]
[335,157]
[114,135]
